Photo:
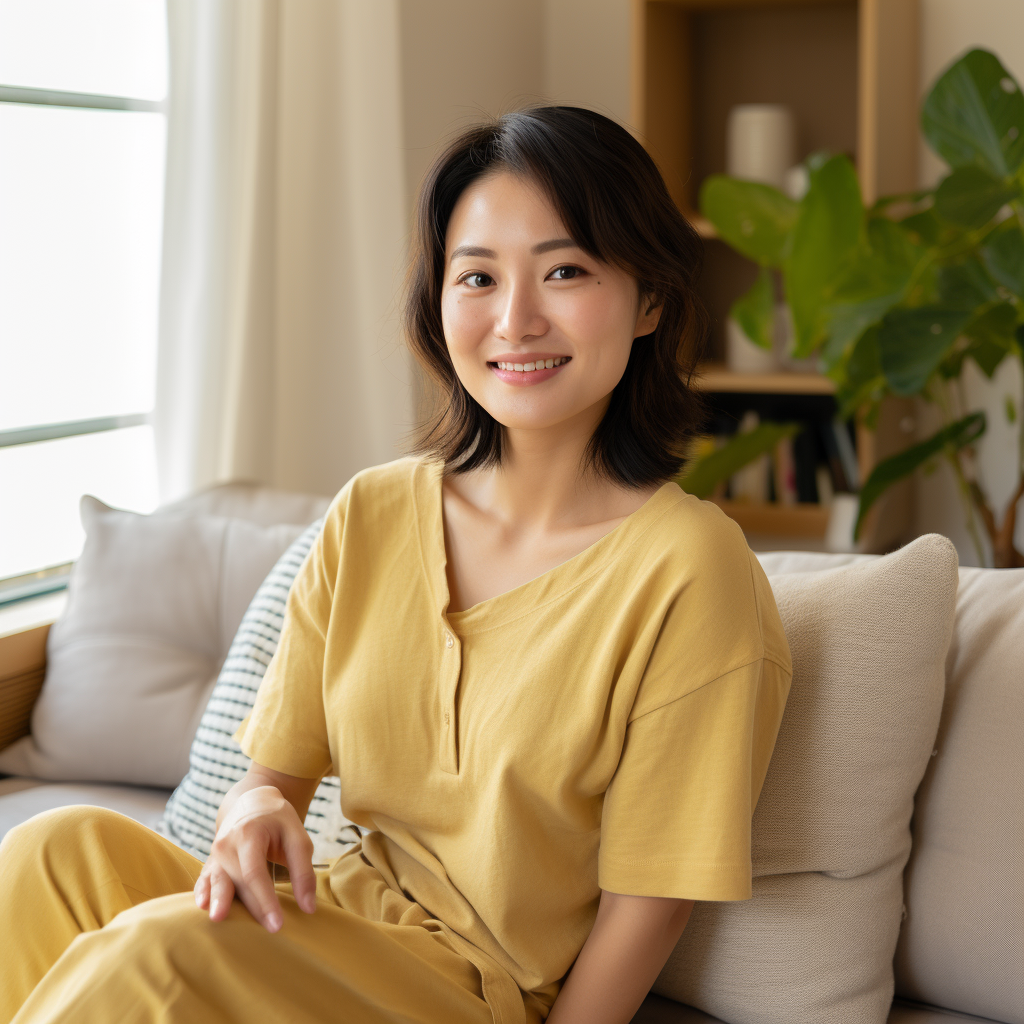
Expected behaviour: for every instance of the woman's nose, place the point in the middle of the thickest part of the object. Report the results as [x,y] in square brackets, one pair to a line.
[520,314]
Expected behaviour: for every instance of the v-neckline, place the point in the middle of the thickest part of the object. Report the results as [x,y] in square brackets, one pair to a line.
[535,593]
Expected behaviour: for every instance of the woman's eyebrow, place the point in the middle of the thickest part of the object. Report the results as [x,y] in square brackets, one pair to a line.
[555,243]
[473,250]
[539,249]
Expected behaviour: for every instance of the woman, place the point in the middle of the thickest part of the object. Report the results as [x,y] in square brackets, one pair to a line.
[549,680]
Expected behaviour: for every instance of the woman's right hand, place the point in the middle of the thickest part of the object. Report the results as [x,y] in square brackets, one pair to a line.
[260,826]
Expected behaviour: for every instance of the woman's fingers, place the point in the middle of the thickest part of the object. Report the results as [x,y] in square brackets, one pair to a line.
[202,890]
[298,853]
[222,892]
[256,889]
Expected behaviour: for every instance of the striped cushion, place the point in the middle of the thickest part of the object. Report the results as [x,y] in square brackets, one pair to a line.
[216,762]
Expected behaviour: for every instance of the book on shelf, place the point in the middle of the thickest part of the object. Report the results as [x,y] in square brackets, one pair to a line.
[847,453]
[784,473]
[752,482]
[840,454]
[805,458]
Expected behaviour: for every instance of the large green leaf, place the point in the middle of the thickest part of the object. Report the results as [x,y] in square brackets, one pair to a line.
[912,343]
[872,283]
[1003,253]
[888,471]
[882,203]
[754,311]
[966,285]
[992,337]
[754,219]
[859,380]
[975,115]
[737,452]
[923,227]
[971,197]
[823,240]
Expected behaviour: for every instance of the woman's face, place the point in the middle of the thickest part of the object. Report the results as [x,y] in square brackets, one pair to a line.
[518,291]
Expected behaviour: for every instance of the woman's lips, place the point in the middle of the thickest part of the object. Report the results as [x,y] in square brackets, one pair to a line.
[524,378]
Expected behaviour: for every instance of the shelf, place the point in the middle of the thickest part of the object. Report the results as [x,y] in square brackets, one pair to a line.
[716,377]
[771,519]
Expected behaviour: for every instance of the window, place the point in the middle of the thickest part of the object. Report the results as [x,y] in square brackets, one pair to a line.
[82,137]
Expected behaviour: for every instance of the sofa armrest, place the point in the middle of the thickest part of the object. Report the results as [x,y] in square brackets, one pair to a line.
[22,668]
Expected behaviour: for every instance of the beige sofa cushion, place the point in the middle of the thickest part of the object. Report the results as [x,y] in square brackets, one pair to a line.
[831,830]
[153,604]
[962,945]
[21,799]
[775,563]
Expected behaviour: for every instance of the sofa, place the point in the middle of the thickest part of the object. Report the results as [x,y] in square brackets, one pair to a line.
[952,946]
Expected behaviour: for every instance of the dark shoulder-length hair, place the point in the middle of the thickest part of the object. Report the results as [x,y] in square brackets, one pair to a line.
[613,202]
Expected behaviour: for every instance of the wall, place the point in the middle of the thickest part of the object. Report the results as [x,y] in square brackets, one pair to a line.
[948,29]
[460,63]
[587,55]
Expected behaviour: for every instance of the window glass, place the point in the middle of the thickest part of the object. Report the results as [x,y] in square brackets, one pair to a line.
[43,482]
[81,197]
[81,211]
[109,47]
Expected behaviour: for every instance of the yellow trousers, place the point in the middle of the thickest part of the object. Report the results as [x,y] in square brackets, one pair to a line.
[98,924]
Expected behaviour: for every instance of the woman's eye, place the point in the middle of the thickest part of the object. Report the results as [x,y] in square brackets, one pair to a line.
[478,280]
[566,273]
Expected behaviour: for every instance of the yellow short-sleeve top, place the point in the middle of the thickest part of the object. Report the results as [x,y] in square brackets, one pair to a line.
[607,725]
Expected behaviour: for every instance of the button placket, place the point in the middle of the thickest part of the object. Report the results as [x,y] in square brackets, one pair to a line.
[451,667]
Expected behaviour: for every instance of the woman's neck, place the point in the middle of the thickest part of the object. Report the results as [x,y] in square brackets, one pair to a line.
[539,490]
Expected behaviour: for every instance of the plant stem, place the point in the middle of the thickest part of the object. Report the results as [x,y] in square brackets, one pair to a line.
[942,400]
[970,241]
[966,495]
[1020,424]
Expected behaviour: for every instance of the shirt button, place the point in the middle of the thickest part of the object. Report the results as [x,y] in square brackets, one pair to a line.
[449,642]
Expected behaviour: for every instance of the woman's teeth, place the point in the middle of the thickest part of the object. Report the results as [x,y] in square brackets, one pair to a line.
[540,364]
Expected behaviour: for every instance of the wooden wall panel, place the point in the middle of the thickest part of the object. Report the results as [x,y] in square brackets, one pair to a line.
[888,102]
[22,668]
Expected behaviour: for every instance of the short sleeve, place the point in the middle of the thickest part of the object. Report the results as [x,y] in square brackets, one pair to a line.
[677,814]
[287,728]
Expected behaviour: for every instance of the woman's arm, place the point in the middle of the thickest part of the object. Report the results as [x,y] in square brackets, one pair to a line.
[623,955]
[260,819]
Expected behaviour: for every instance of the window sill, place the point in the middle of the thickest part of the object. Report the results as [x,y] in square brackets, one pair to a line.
[20,616]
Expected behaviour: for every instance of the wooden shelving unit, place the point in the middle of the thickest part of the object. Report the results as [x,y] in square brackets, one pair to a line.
[770,520]
[848,70]
[718,377]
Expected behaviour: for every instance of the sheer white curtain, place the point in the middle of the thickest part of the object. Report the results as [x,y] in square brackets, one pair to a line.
[285,233]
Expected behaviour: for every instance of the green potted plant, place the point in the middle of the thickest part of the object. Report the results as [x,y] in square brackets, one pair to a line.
[893,298]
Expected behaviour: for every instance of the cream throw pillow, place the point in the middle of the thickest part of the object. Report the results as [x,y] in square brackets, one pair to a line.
[831,831]
[962,944]
[153,604]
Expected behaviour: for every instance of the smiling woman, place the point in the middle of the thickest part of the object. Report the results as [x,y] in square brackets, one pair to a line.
[548,680]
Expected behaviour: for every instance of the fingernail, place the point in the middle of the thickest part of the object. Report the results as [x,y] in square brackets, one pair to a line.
[214,907]
[309,904]
[199,899]
[273,922]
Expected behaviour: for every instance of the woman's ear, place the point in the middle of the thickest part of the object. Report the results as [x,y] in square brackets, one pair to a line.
[648,316]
